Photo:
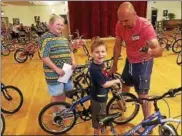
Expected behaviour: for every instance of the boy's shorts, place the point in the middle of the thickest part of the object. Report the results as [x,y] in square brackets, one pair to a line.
[97,108]
[59,89]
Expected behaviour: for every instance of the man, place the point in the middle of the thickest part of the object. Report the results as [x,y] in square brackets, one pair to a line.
[137,32]
[55,51]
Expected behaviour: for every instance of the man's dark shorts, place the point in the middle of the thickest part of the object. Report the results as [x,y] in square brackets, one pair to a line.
[138,75]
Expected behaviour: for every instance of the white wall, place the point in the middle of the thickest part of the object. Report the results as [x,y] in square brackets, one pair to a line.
[171,6]
[26,13]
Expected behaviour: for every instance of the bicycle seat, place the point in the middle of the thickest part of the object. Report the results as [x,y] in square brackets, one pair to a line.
[71,93]
[105,120]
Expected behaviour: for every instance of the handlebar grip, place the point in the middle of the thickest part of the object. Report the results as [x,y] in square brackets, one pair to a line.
[150,123]
[174,91]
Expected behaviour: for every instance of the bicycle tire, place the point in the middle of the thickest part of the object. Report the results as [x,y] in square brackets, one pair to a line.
[167,130]
[163,42]
[74,50]
[16,57]
[3,124]
[177,45]
[133,113]
[20,103]
[179,58]
[46,108]
[11,47]
[5,51]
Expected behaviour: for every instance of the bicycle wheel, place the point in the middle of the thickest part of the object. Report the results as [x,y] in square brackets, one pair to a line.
[19,56]
[11,47]
[2,124]
[57,118]
[176,48]
[179,60]
[74,50]
[5,51]
[11,98]
[131,108]
[167,130]
[163,42]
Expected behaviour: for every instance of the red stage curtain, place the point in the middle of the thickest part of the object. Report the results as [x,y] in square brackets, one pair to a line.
[98,18]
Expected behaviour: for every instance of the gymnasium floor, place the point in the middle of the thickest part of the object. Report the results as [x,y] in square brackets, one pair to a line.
[29,77]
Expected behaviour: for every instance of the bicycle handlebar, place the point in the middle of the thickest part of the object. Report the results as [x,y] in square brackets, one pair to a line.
[170,93]
[159,121]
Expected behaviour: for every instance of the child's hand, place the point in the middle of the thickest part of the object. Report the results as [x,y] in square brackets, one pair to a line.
[119,82]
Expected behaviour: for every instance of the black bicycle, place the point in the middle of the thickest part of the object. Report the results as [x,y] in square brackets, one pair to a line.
[2,122]
[174,42]
[179,60]
[11,98]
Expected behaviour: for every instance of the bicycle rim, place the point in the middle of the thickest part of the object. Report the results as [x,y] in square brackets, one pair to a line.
[57,118]
[130,112]
[12,100]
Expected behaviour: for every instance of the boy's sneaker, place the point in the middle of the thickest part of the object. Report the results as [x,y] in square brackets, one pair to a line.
[103,130]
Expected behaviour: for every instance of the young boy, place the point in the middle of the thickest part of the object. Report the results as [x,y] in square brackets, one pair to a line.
[100,82]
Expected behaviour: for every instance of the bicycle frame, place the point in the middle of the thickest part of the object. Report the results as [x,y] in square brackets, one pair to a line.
[147,128]
[81,101]
[4,92]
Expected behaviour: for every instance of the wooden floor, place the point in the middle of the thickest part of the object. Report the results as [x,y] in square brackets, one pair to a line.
[29,77]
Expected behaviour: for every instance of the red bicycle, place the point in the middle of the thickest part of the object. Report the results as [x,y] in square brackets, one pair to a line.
[22,54]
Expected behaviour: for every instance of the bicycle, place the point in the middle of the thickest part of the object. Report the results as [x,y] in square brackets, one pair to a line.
[165,128]
[178,59]
[78,42]
[11,98]
[22,54]
[5,51]
[175,43]
[2,121]
[67,114]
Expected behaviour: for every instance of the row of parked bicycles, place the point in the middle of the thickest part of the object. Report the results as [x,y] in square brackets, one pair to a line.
[22,51]
[172,41]
[11,102]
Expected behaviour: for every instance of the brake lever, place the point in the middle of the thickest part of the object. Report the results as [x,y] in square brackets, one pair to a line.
[171,93]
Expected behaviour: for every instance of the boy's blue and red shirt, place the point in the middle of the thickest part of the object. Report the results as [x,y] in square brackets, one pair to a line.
[99,78]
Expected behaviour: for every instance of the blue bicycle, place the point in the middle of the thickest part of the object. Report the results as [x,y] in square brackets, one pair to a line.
[60,117]
[165,128]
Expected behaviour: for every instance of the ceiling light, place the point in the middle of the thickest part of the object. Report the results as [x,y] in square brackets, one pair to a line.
[50,2]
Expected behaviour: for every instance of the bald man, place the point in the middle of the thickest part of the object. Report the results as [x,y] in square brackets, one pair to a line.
[136,32]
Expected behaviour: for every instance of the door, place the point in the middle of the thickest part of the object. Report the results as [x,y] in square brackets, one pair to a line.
[154,17]
[5,20]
